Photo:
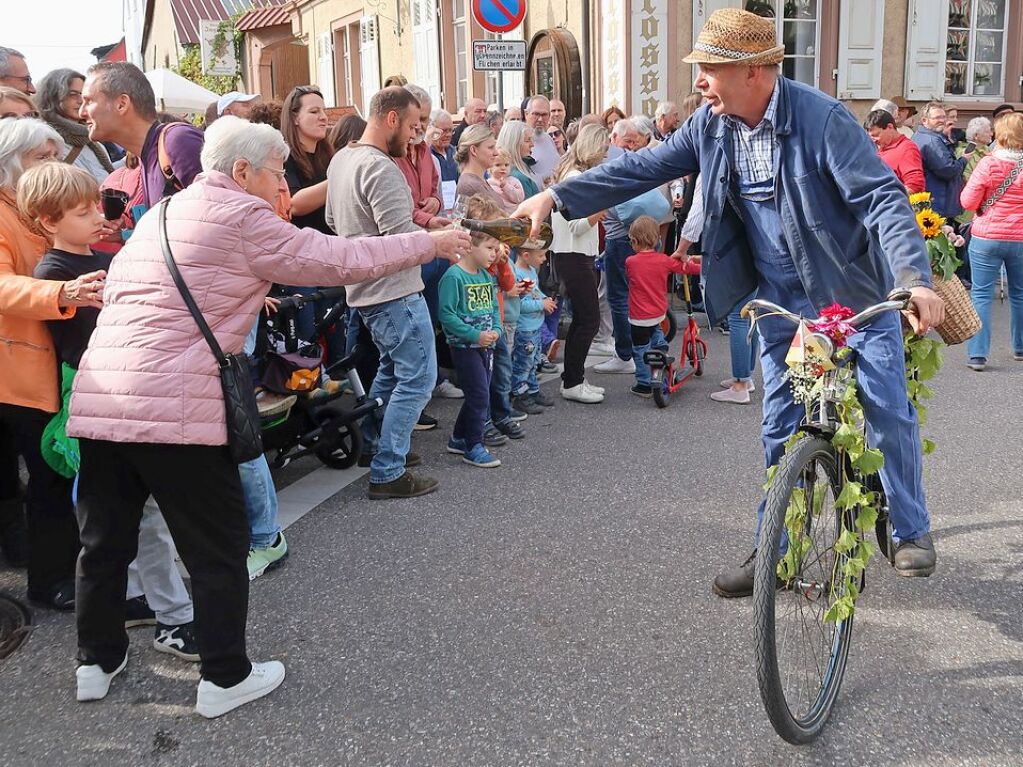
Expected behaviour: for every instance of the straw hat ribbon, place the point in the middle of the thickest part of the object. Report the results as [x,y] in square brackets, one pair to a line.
[733,36]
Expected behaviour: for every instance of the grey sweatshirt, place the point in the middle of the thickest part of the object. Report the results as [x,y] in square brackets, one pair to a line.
[367,196]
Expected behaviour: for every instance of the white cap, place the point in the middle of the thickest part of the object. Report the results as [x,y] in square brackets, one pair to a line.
[888,106]
[229,98]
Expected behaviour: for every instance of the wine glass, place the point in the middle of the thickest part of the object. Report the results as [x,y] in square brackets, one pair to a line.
[458,211]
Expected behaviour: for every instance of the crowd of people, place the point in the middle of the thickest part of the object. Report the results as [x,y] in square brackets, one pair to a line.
[111,392]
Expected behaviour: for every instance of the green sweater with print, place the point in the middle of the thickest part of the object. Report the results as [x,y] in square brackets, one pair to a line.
[468,306]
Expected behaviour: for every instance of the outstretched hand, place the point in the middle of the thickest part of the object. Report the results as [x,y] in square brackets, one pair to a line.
[537,208]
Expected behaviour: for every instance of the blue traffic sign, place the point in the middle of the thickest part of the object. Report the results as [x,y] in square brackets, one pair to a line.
[499,15]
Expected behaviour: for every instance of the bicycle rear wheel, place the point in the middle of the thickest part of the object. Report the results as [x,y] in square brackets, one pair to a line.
[801,658]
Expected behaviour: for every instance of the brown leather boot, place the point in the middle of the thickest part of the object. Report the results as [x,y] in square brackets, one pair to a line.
[405,486]
[737,582]
[915,558]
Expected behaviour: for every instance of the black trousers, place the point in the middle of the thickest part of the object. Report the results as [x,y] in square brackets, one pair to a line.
[576,273]
[9,480]
[52,529]
[200,495]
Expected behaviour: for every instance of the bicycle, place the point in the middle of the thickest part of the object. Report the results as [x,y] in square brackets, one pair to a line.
[666,377]
[801,657]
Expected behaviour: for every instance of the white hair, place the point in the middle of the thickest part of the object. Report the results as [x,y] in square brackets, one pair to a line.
[976,126]
[438,114]
[5,59]
[643,124]
[232,138]
[665,107]
[624,126]
[18,138]
[888,106]
[421,94]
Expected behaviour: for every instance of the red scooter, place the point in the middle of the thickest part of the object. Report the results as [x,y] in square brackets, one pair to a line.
[666,375]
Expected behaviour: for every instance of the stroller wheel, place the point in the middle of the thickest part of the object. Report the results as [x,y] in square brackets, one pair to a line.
[340,448]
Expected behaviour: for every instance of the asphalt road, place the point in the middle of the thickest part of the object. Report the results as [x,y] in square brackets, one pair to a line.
[557,611]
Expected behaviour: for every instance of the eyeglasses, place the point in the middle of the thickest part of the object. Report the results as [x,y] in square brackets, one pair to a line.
[27,79]
[553,133]
[279,173]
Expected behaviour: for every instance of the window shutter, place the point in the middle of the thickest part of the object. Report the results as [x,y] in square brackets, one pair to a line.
[925,49]
[369,59]
[860,43]
[702,9]
[325,68]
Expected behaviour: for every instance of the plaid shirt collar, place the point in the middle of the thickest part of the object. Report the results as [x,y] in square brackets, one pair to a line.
[753,149]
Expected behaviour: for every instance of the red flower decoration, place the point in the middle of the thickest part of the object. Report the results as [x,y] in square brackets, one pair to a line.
[832,323]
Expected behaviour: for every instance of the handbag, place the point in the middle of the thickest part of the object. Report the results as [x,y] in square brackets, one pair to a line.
[291,372]
[243,436]
[651,203]
[1010,177]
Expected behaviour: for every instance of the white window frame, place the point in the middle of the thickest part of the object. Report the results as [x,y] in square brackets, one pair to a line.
[460,31]
[779,25]
[971,62]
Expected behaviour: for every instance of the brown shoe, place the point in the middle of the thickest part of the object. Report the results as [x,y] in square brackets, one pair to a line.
[411,460]
[915,558]
[737,582]
[405,486]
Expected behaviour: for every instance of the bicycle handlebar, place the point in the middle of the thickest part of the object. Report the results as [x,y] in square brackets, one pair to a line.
[898,300]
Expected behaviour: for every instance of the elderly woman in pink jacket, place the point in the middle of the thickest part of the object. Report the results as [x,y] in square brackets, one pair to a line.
[148,409]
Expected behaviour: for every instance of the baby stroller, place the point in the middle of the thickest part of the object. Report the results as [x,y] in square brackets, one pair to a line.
[310,418]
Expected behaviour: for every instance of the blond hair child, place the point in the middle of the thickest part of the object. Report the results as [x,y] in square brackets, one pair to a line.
[507,186]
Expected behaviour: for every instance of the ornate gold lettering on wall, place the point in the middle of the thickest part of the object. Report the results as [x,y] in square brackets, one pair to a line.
[649,47]
[613,53]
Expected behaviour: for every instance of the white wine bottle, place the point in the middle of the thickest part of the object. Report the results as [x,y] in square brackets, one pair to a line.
[513,232]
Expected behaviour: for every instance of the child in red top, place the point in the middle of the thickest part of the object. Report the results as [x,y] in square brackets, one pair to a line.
[647,272]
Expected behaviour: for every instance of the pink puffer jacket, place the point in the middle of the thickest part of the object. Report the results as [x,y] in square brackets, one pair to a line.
[1004,221]
[148,375]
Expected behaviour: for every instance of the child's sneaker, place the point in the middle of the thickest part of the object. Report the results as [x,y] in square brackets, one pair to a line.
[524,402]
[262,561]
[177,640]
[642,390]
[493,437]
[457,446]
[510,429]
[517,415]
[478,455]
[546,366]
[542,399]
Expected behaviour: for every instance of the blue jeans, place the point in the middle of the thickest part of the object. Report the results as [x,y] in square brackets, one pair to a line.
[260,502]
[525,359]
[744,353]
[403,333]
[501,382]
[616,250]
[549,329]
[891,419]
[986,259]
[258,486]
[638,350]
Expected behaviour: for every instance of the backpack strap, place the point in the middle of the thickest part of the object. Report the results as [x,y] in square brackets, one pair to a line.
[73,155]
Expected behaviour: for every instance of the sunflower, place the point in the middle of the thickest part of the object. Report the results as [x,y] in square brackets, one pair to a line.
[930,223]
[919,197]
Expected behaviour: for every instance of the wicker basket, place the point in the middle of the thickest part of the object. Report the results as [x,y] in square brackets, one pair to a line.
[961,320]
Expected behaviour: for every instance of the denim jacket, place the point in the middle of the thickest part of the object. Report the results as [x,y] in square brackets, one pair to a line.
[847,219]
[943,173]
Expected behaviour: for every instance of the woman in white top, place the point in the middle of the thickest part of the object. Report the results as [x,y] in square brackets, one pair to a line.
[576,244]
[59,99]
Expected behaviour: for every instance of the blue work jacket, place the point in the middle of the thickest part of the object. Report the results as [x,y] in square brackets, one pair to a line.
[847,220]
[943,171]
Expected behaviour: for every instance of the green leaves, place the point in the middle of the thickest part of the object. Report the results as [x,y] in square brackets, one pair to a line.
[942,254]
[870,462]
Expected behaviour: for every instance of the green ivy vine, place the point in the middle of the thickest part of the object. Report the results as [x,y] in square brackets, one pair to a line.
[853,548]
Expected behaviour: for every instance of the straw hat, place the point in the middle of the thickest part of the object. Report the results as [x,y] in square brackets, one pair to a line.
[732,36]
[901,103]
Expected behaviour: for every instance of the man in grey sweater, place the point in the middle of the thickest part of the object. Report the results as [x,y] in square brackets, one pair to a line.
[367,196]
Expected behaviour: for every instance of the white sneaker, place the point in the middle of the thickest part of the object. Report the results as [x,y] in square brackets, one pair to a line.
[727,384]
[447,390]
[580,393]
[212,701]
[595,389]
[602,350]
[94,682]
[616,365]
[731,395]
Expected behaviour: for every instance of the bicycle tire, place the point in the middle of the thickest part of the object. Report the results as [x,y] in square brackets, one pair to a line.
[658,383]
[775,691]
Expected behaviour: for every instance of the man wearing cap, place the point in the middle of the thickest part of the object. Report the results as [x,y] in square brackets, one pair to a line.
[904,116]
[236,104]
[800,208]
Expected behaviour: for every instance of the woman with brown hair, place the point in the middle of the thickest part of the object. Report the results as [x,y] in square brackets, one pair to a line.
[304,127]
[346,130]
[610,116]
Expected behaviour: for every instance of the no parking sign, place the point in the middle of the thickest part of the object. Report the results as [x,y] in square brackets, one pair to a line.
[499,15]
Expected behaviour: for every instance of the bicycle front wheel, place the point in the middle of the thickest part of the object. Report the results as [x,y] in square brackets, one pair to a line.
[801,657]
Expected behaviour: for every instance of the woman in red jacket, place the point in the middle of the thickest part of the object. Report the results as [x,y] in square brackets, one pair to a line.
[997,235]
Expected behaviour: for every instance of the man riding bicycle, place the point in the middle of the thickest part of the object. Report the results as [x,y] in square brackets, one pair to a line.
[799,207]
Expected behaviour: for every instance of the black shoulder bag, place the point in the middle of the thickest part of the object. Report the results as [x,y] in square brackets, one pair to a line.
[243,435]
